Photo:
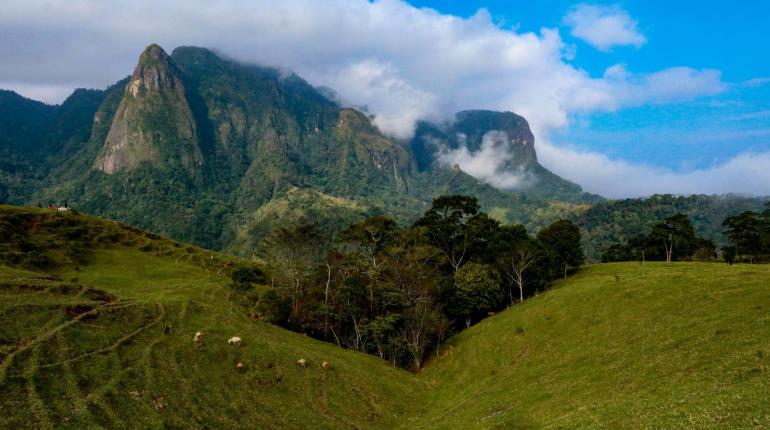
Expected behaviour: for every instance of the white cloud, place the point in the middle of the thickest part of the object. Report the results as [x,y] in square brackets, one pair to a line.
[402,62]
[604,27]
[745,173]
[490,163]
[397,104]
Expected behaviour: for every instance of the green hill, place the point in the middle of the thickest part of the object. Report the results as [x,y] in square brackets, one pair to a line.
[84,344]
[682,345]
[97,322]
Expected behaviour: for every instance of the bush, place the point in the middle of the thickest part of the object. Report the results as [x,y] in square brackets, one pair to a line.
[248,275]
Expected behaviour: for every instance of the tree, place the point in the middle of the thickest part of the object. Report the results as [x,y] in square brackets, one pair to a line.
[747,232]
[675,232]
[516,264]
[477,288]
[447,226]
[420,324]
[616,252]
[293,253]
[562,239]
[368,239]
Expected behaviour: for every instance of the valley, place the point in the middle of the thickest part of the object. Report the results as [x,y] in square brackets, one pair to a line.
[106,339]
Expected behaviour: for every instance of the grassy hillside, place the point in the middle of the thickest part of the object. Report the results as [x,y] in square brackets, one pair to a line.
[103,337]
[617,346]
[108,341]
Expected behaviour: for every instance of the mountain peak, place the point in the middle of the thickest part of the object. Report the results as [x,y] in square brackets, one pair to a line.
[153,54]
[154,122]
[154,71]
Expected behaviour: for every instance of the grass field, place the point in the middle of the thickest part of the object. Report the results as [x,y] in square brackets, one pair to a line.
[88,347]
[683,345]
[108,343]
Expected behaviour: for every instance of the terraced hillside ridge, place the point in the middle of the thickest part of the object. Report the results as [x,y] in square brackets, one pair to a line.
[97,322]
[108,341]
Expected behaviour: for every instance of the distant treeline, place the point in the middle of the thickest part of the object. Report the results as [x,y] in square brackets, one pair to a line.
[674,239]
[398,292]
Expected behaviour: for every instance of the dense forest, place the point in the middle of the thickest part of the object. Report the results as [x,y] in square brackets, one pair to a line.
[616,222]
[397,292]
[675,239]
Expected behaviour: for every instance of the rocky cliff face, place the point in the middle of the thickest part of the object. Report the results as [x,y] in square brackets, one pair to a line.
[504,141]
[473,130]
[218,153]
[154,122]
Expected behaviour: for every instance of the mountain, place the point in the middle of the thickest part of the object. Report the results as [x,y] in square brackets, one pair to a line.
[217,153]
[97,321]
[502,135]
[154,122]
[34,137]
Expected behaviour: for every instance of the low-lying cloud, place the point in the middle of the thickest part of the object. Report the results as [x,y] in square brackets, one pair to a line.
[403,63]
[745,173]
[490,163]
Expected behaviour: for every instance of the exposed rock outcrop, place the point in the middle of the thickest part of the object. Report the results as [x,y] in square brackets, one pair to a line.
[154,122]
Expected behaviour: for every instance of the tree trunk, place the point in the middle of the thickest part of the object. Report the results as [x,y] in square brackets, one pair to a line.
[326,300]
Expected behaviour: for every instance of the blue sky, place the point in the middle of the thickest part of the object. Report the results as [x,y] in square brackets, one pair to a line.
[732,37]
[625,98]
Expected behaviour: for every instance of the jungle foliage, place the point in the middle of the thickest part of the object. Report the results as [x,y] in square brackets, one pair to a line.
[398,292]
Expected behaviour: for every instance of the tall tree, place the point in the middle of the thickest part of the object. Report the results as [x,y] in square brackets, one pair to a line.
[562,239]
[478,289]
[293,253]
[516,265]
[447,226]
[367,240]
[677,236]
[747,232]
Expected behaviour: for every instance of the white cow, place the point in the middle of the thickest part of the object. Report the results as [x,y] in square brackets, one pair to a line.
[235,340]
[198,337]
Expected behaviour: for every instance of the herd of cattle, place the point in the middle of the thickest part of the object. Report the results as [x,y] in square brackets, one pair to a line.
[236,341]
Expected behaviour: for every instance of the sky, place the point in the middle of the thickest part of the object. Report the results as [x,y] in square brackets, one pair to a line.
[625,98]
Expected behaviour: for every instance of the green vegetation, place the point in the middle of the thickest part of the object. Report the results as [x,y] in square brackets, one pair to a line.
[219,154]
[673,239]
[107,341]
[616,222]
[749,233]
[398,292]
[631,345]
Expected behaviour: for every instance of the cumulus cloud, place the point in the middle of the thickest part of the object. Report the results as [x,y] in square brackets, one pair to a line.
[397,104]
[604,27]
[403,63]
[490,163]
[745,173]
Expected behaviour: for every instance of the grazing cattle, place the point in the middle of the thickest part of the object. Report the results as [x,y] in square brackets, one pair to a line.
[302,362]
[325,364]
[240,366]
[235,340]
[198,337]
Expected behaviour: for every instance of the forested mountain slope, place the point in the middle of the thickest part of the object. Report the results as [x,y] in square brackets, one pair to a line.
[217,153]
